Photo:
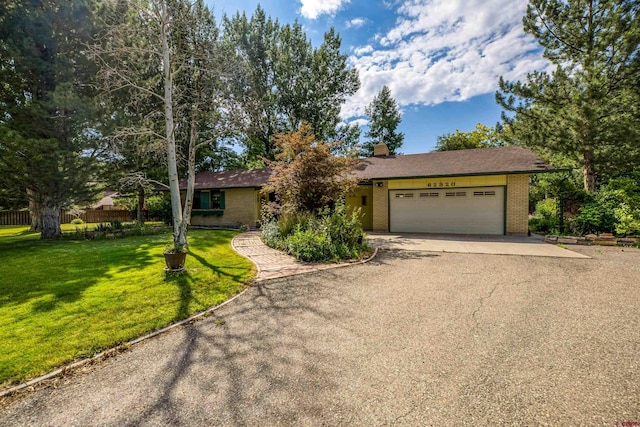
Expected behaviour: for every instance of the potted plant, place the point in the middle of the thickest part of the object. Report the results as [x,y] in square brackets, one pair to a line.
[175,257]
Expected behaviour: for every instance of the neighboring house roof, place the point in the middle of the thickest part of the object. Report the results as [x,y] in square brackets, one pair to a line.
[481,161]
[107,200]
[253,178]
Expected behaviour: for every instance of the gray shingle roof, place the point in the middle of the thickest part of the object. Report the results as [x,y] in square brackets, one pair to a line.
[480,161]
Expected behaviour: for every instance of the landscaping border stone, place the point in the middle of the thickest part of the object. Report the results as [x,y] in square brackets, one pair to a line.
[604,239]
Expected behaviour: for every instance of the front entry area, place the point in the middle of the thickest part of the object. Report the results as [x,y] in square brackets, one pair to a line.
[473,210]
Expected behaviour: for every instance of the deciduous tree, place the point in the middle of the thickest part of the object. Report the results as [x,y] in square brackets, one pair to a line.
[306,176]
[168,53]
[481,137]
[288,81]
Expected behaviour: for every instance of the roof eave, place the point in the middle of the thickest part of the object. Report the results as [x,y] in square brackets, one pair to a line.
[521,172]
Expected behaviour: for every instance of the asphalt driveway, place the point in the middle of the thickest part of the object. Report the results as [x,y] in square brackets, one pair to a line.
[412,338]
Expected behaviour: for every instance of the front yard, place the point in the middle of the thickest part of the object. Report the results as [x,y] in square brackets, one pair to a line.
[64,300]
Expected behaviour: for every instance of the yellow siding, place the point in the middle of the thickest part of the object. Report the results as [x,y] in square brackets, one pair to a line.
[241,207]
[355,201]
[517,204]
[456,181]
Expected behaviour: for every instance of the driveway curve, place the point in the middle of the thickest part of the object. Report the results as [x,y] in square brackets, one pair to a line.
[411,338]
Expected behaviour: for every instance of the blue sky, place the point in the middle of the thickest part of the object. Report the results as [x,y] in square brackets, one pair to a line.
[440,58]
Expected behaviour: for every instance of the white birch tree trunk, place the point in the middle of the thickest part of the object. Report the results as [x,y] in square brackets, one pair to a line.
[179,228]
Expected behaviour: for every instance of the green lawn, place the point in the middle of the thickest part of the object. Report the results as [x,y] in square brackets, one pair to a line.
[19,233]
[64,300]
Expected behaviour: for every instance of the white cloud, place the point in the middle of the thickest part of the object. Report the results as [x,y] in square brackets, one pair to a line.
[445,50]
[359,122]
[313,8]
[356,22]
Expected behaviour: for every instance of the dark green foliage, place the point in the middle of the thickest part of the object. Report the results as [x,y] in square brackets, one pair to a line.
[545,220]
[50,136]
[287,81]
[384,118]
[587,110]
[331,235]
[158,206]
[615,208]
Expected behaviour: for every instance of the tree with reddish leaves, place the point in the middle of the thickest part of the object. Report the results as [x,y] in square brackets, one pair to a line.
[307,176]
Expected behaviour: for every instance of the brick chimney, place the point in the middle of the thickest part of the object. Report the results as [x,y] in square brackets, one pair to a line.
[380,150]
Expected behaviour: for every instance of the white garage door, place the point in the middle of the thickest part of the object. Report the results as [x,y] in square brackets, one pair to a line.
[454,210]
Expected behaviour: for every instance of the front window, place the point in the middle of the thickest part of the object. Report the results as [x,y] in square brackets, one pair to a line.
[208,200]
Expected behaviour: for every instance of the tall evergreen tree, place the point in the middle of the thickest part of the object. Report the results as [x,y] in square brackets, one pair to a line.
[288,81]
[50,137]
[588,108]
[384,118]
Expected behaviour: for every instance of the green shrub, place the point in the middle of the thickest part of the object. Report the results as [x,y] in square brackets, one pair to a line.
[617,201]
[293,221]
[159,208]
[330,236]
[116,224]
[80,233]
[309,245]
[102,227]
[77,221]
[545,218]
[628,220]
[271,234]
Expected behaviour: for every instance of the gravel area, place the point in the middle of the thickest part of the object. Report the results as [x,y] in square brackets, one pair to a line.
[411,338]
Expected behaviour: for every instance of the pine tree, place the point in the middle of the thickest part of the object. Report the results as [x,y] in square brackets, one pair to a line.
[588,108]
[384,118]
[50,137]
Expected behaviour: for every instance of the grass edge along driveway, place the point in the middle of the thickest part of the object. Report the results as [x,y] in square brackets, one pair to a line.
[65,300]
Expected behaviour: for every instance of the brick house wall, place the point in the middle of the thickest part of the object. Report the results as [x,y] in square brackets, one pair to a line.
[517,204]
[380,206]
[241,207]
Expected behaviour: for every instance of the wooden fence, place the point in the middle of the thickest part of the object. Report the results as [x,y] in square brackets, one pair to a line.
[23,218]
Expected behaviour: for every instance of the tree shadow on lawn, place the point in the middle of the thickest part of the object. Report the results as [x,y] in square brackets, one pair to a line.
[54,273]
[218,270]
[184,281]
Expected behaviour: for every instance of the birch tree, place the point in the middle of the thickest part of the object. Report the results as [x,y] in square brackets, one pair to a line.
[166,53]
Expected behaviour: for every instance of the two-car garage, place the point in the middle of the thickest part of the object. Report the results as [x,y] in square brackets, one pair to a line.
[478,191]
[472,210]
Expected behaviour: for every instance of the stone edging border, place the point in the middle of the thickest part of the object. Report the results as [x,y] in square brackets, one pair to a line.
[115,350]
[322,268]
[119,348]
[297,273]
[602,240]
